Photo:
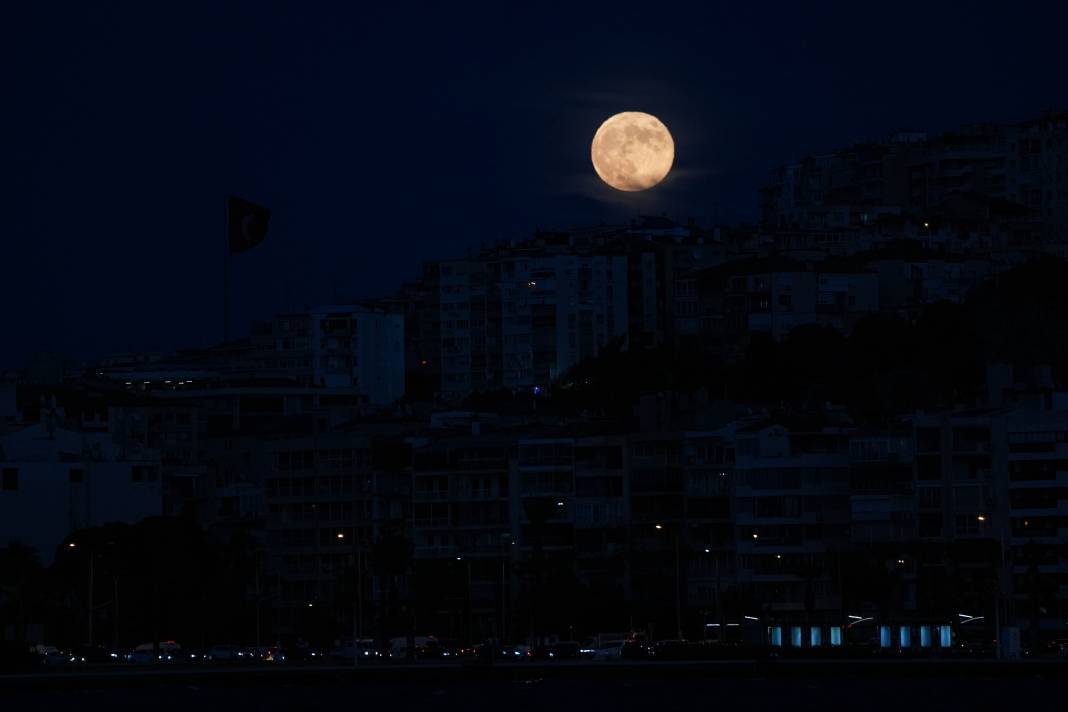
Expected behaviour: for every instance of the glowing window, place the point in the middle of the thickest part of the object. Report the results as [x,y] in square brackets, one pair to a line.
[836,635]
[815,637]
[884,636]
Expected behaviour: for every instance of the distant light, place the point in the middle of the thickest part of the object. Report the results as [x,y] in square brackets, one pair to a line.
[856,618]
[423,362]
[900,561]
[559,504]
[927,224]
[659,526]
[311,605]
[708,551]
[537,390]
[750,618]
[778,556]
[341,535]
[71,545]
[981,518]
[459,558]
[532,284]
[756,536]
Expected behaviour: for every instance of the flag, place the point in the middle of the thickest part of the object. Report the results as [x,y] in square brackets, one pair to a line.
[246,224]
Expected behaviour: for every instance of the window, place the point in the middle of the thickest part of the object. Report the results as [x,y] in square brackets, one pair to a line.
[11,479]
[77,474]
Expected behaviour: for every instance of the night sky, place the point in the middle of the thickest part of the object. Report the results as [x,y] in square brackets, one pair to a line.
[384,136]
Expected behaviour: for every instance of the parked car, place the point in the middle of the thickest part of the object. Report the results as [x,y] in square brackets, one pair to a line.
[634,650]
[228,653]
[96,654]
[671,650]
[513,652]
[609,650]
[54,657]
[365,648]
[565,650]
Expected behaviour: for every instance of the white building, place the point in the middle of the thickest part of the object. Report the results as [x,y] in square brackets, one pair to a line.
[342,347]
[556,310]
[55,481]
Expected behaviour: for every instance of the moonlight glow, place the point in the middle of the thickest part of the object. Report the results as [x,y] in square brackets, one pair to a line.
[632,151]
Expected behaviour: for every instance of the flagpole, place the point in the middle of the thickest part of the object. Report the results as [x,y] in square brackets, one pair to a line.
[226,270]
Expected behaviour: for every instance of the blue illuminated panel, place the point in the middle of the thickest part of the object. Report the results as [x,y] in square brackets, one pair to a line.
[925,636]
[904,635]
[815,637]
[945,636]
[836,635]
[775,633]
[795,636]
[884,636]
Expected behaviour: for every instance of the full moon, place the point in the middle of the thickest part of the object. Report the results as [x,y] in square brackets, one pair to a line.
[632,151]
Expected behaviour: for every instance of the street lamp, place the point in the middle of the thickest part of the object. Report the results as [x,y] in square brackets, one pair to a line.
[678,584]
[983,518]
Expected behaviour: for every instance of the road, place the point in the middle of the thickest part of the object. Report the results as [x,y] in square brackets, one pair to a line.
[560,688]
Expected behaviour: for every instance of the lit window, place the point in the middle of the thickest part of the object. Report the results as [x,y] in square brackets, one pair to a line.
[795,636]
[884,636]
[836,635]
[904,635]
[815,637]
[776,636]
[925,636]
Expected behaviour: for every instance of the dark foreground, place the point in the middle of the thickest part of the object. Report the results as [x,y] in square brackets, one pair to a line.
[555,689]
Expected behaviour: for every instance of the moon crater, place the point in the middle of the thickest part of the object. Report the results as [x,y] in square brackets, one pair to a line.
[632,151]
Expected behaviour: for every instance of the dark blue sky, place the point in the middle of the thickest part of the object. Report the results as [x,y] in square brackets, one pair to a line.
[384,136]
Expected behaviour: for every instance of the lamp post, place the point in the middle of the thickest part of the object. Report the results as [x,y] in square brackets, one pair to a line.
[357,611]
[999,592]
[678,582]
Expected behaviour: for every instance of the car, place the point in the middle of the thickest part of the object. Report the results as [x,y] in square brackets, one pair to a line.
[609,650]
[634,650]
[565,650]
[96,654]
[513,652]
[257,652]
[671,650]
[142,657]
[53,657]
[365,648]
[228,653]
[192,656]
